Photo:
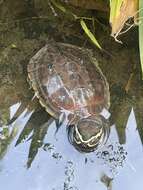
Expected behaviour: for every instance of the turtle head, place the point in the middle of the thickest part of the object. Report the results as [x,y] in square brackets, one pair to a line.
[88,133]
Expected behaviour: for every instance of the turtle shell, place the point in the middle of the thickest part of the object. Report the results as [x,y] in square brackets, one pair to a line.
[67,78]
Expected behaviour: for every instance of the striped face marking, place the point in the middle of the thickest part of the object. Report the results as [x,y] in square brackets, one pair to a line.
[89,132]
[91,142]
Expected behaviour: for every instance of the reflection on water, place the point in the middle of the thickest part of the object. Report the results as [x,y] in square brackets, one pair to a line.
[27,132]
[59,166]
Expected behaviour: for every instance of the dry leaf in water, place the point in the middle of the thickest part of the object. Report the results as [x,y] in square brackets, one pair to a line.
[128,9]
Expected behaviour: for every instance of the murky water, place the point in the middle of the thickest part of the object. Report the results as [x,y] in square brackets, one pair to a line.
[32,155]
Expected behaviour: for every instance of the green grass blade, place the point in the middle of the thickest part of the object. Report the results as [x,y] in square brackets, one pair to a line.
[89,33]
[59,6]
[114,9]
[141,34]
[63,9]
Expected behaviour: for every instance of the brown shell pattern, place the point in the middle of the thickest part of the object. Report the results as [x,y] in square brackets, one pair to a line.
[66,77]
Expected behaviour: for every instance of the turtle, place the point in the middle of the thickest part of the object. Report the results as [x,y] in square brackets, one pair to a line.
[67,80]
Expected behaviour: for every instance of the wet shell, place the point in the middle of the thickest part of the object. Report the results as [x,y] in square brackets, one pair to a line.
[66,77]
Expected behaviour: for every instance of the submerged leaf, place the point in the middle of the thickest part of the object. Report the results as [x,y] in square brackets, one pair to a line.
[63,9]
[59,6]
[83,24]
[89,33]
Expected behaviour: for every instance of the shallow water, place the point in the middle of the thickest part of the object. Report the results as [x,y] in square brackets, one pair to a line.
[32,156]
